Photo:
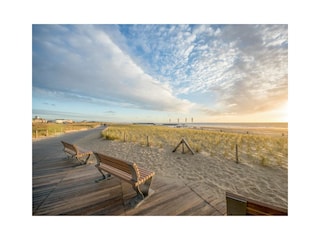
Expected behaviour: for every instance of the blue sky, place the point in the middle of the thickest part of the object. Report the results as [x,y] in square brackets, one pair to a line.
[153,73]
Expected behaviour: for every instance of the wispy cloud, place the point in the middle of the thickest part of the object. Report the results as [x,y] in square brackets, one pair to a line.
[243,68]
[57,114]
[75,62]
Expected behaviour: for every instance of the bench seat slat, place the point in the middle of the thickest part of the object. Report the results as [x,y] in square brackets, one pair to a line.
[240,205]
[114,171]
[76,151]
[145,175]
[69,151]
[144,171]
[126,176]
[109,161]
[125,170]
[84,151]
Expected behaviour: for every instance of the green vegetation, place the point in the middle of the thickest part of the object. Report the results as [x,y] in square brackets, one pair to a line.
[49,129]
[267,150]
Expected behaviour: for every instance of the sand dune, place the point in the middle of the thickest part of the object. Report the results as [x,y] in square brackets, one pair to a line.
[210,177]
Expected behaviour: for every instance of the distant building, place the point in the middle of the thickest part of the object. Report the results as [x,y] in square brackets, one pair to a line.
[38,119]
[64,121]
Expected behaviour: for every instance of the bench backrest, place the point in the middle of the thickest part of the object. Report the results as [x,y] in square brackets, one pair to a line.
[238,205]
[70,146]
[125,166]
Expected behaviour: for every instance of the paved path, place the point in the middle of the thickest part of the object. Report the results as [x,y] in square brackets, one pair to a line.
[51,146]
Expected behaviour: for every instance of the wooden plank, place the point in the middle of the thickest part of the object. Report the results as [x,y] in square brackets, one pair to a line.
[159,200]
[201,209]
[61,189]
[65,200]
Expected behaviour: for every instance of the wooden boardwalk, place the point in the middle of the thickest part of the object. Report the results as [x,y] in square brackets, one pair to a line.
[60,188]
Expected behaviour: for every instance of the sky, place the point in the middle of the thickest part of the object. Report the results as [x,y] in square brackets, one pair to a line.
[160,73]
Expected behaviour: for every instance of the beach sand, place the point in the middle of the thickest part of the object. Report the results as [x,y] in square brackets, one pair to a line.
[209,177]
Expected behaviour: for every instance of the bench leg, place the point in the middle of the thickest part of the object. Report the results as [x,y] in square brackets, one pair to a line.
[78,160]
[136,200]
[103,176]
[143,189]
[85,162]
[142,192]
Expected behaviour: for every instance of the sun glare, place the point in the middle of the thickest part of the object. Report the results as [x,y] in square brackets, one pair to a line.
[283,112]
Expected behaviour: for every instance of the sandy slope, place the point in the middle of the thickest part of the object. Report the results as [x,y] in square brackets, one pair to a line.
[210,177]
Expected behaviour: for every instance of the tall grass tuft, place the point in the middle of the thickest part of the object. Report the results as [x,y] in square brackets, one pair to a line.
[253,149]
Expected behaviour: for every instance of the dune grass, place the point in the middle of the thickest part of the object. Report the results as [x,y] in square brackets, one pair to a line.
[49,129]
[253,149]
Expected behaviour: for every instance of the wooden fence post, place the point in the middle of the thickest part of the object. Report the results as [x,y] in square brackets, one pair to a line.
[148,141]
[183,142]
[36,133]
[237,159]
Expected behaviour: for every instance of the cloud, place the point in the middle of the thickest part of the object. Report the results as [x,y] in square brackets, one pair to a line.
[56,114]
[82,61]
[259,76]
[244,66]
[50,104]
[110,112]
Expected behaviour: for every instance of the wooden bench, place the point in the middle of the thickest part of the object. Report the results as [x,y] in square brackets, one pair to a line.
[238,205]
[138,177]
[76,152]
